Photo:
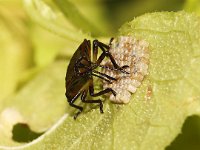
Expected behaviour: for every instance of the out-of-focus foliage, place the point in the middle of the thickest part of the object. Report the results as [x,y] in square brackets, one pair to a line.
[15,47]
[37,35]
[192,6]
[119,11]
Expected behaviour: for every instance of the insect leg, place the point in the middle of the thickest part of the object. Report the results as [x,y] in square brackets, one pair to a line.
[96,44]
[106,53]
[102,78]
[95,50]
[83,99]
[71,103]
[105,75]
[107,90]
[110,43]
[111,68]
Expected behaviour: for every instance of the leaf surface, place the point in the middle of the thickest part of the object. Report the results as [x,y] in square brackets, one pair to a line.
[152,123]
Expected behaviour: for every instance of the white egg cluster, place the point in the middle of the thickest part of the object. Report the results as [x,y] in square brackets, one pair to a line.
[130,51]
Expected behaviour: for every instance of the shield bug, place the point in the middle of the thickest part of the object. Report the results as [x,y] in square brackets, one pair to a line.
[81,70]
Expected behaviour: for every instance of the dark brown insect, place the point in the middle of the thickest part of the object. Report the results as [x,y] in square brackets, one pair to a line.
[81,70]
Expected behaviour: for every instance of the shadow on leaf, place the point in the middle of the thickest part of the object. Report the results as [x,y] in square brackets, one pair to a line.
[190,136]
[22,133]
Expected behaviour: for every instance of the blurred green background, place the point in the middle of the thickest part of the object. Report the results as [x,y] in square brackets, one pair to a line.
[120,11]
[26,47]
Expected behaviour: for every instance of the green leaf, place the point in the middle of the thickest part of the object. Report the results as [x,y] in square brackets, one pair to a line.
[192,6]
[73,14]
[56,37]
[50,46]
[39,104]
[153,123]
[15,52]
[48,18]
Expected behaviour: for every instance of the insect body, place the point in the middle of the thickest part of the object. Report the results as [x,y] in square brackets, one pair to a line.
[81,70]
